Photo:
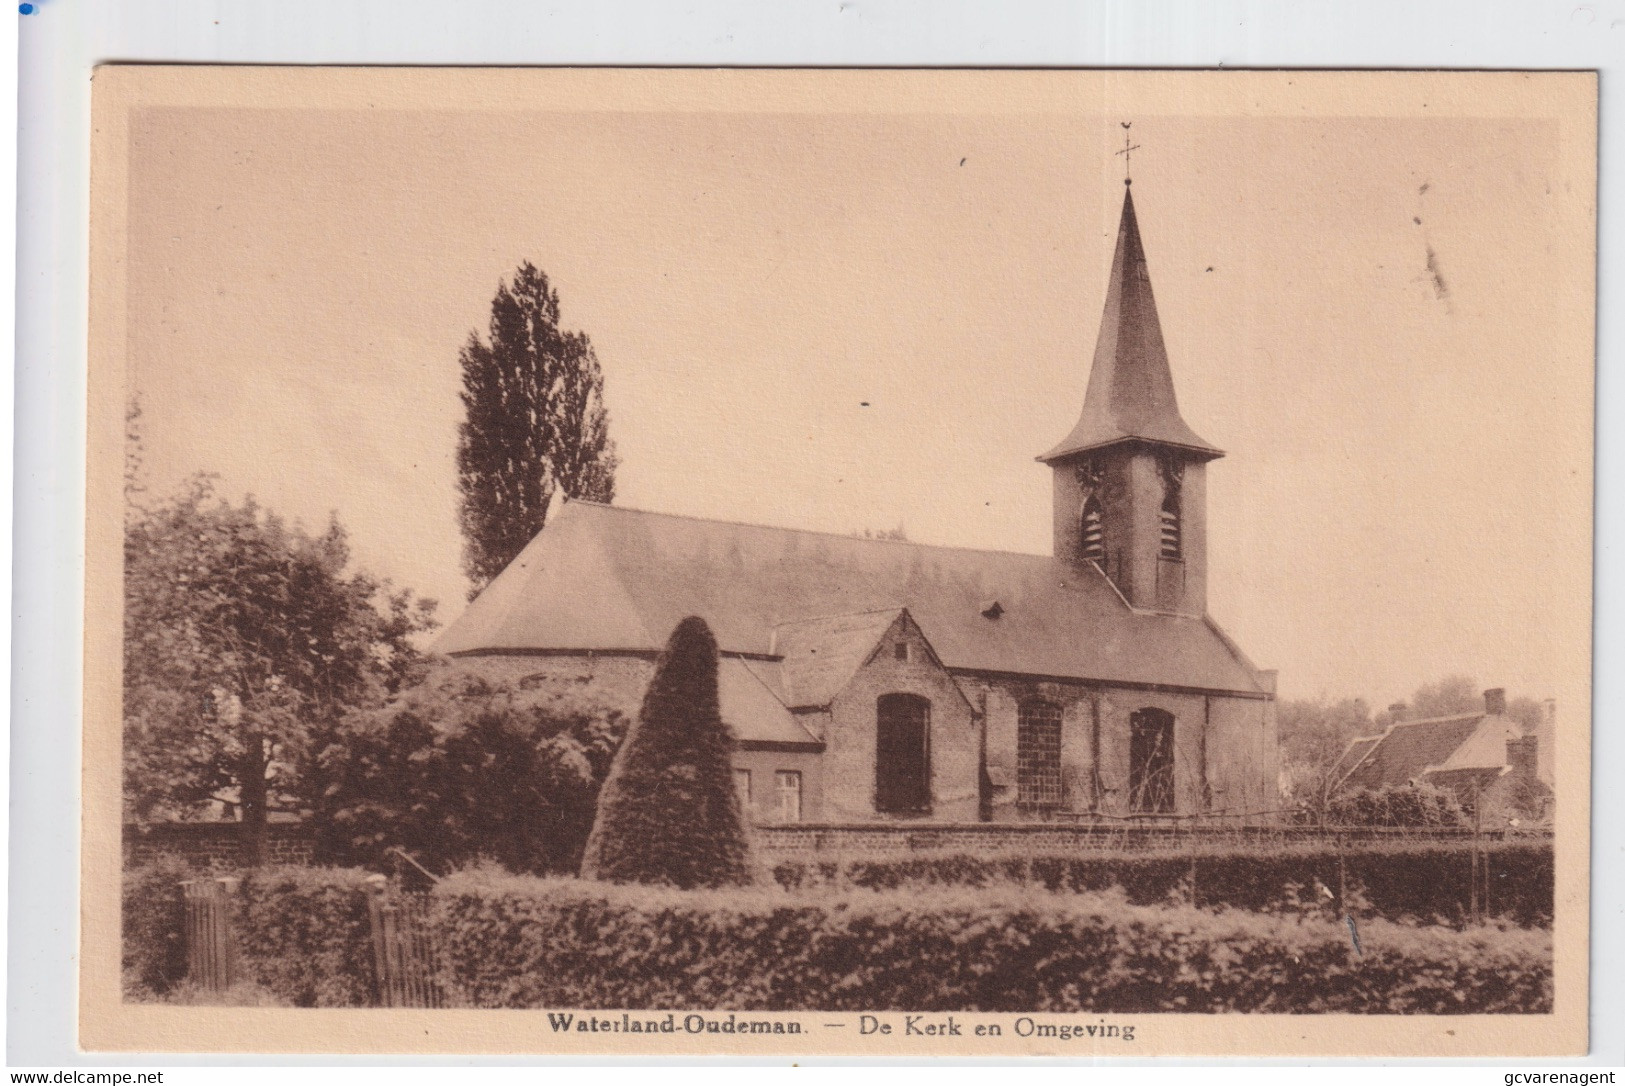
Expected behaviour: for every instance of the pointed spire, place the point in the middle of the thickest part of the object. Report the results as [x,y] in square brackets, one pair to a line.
[1131,389]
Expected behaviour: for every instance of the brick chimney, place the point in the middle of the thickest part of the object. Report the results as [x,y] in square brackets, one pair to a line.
[1546,734]
[1495,702]
[1523,756]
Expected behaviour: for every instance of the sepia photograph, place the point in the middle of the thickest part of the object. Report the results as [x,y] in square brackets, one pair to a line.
[637,561]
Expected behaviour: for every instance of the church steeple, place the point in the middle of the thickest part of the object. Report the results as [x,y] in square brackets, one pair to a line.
[1130,479]
[1131,389]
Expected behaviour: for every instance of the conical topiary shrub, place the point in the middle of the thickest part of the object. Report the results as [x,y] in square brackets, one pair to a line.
[668,813]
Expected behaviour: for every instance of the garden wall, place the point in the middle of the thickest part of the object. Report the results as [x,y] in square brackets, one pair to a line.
[212,846]
[1063,837]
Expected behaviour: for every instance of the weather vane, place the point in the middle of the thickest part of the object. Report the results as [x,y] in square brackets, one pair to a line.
[1127,147]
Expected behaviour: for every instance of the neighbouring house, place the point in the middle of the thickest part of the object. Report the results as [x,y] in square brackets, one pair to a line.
[1494,767]
[875,679]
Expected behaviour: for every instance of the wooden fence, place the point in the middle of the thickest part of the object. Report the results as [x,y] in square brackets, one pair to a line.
[404,954]
[211,946]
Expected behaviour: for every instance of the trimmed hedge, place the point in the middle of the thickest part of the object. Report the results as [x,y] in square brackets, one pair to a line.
[304,934]
[526,943]
[1420,882]
[154,927]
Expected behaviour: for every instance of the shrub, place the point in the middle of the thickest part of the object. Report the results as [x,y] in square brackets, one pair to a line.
[1401,882]
[461,769]
[668,814]
[579,944]
[305,935]
[1413,806]
[154,927]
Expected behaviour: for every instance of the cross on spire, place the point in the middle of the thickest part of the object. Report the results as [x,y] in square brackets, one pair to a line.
[1125,152]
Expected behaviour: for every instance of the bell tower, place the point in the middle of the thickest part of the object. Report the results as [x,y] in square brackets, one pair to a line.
[1130,479]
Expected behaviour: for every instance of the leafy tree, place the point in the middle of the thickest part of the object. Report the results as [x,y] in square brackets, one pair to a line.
[461,769]
[1526,712]
[668,814]
[245,639]
[1448,696]
[534,424]
[1313,736]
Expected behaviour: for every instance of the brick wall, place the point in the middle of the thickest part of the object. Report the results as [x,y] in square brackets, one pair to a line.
[213,846]
[1035,838]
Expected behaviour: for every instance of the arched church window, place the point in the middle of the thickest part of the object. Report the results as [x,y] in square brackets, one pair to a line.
[902,753]
[1038,754]
[1151,762]
[1094,532]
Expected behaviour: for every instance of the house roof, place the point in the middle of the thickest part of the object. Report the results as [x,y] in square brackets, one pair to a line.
[1485,748]
[1354,755]
[1131,389]
[1409,748]
[607,578]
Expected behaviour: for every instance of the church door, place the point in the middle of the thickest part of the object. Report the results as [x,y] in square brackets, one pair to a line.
[1151,762]
[903,754]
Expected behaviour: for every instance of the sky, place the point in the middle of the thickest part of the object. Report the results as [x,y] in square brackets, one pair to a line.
[849,321]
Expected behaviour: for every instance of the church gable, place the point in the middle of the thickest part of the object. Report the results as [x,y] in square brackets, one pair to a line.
[820,655]
[902,740]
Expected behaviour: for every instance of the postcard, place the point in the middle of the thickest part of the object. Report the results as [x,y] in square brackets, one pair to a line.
[864,562]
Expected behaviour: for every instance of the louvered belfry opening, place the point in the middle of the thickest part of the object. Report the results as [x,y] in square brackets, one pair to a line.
[1171,548]
[1038,755]
[903,754]
[1151,762]
[1172,545]
[1094,533]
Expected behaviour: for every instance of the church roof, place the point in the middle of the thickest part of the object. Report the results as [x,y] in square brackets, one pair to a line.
[752,708]
[822,654]
[1131,389]
[607,578]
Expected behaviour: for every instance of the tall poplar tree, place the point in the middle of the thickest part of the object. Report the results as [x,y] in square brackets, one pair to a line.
[534,423]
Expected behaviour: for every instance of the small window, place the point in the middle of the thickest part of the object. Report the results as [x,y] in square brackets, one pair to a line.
[789,788]
[742,787]
[902,650]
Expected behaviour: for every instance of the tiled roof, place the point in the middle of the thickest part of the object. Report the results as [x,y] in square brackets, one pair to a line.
[822,654]
[1400,754]
[1354,755]
[609,578]
[750,706]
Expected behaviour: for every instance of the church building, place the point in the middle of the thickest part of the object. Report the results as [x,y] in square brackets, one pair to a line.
[874,680]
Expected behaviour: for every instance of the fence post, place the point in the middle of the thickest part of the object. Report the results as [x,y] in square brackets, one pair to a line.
[376,885]
[1342,878]
[1474,903]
